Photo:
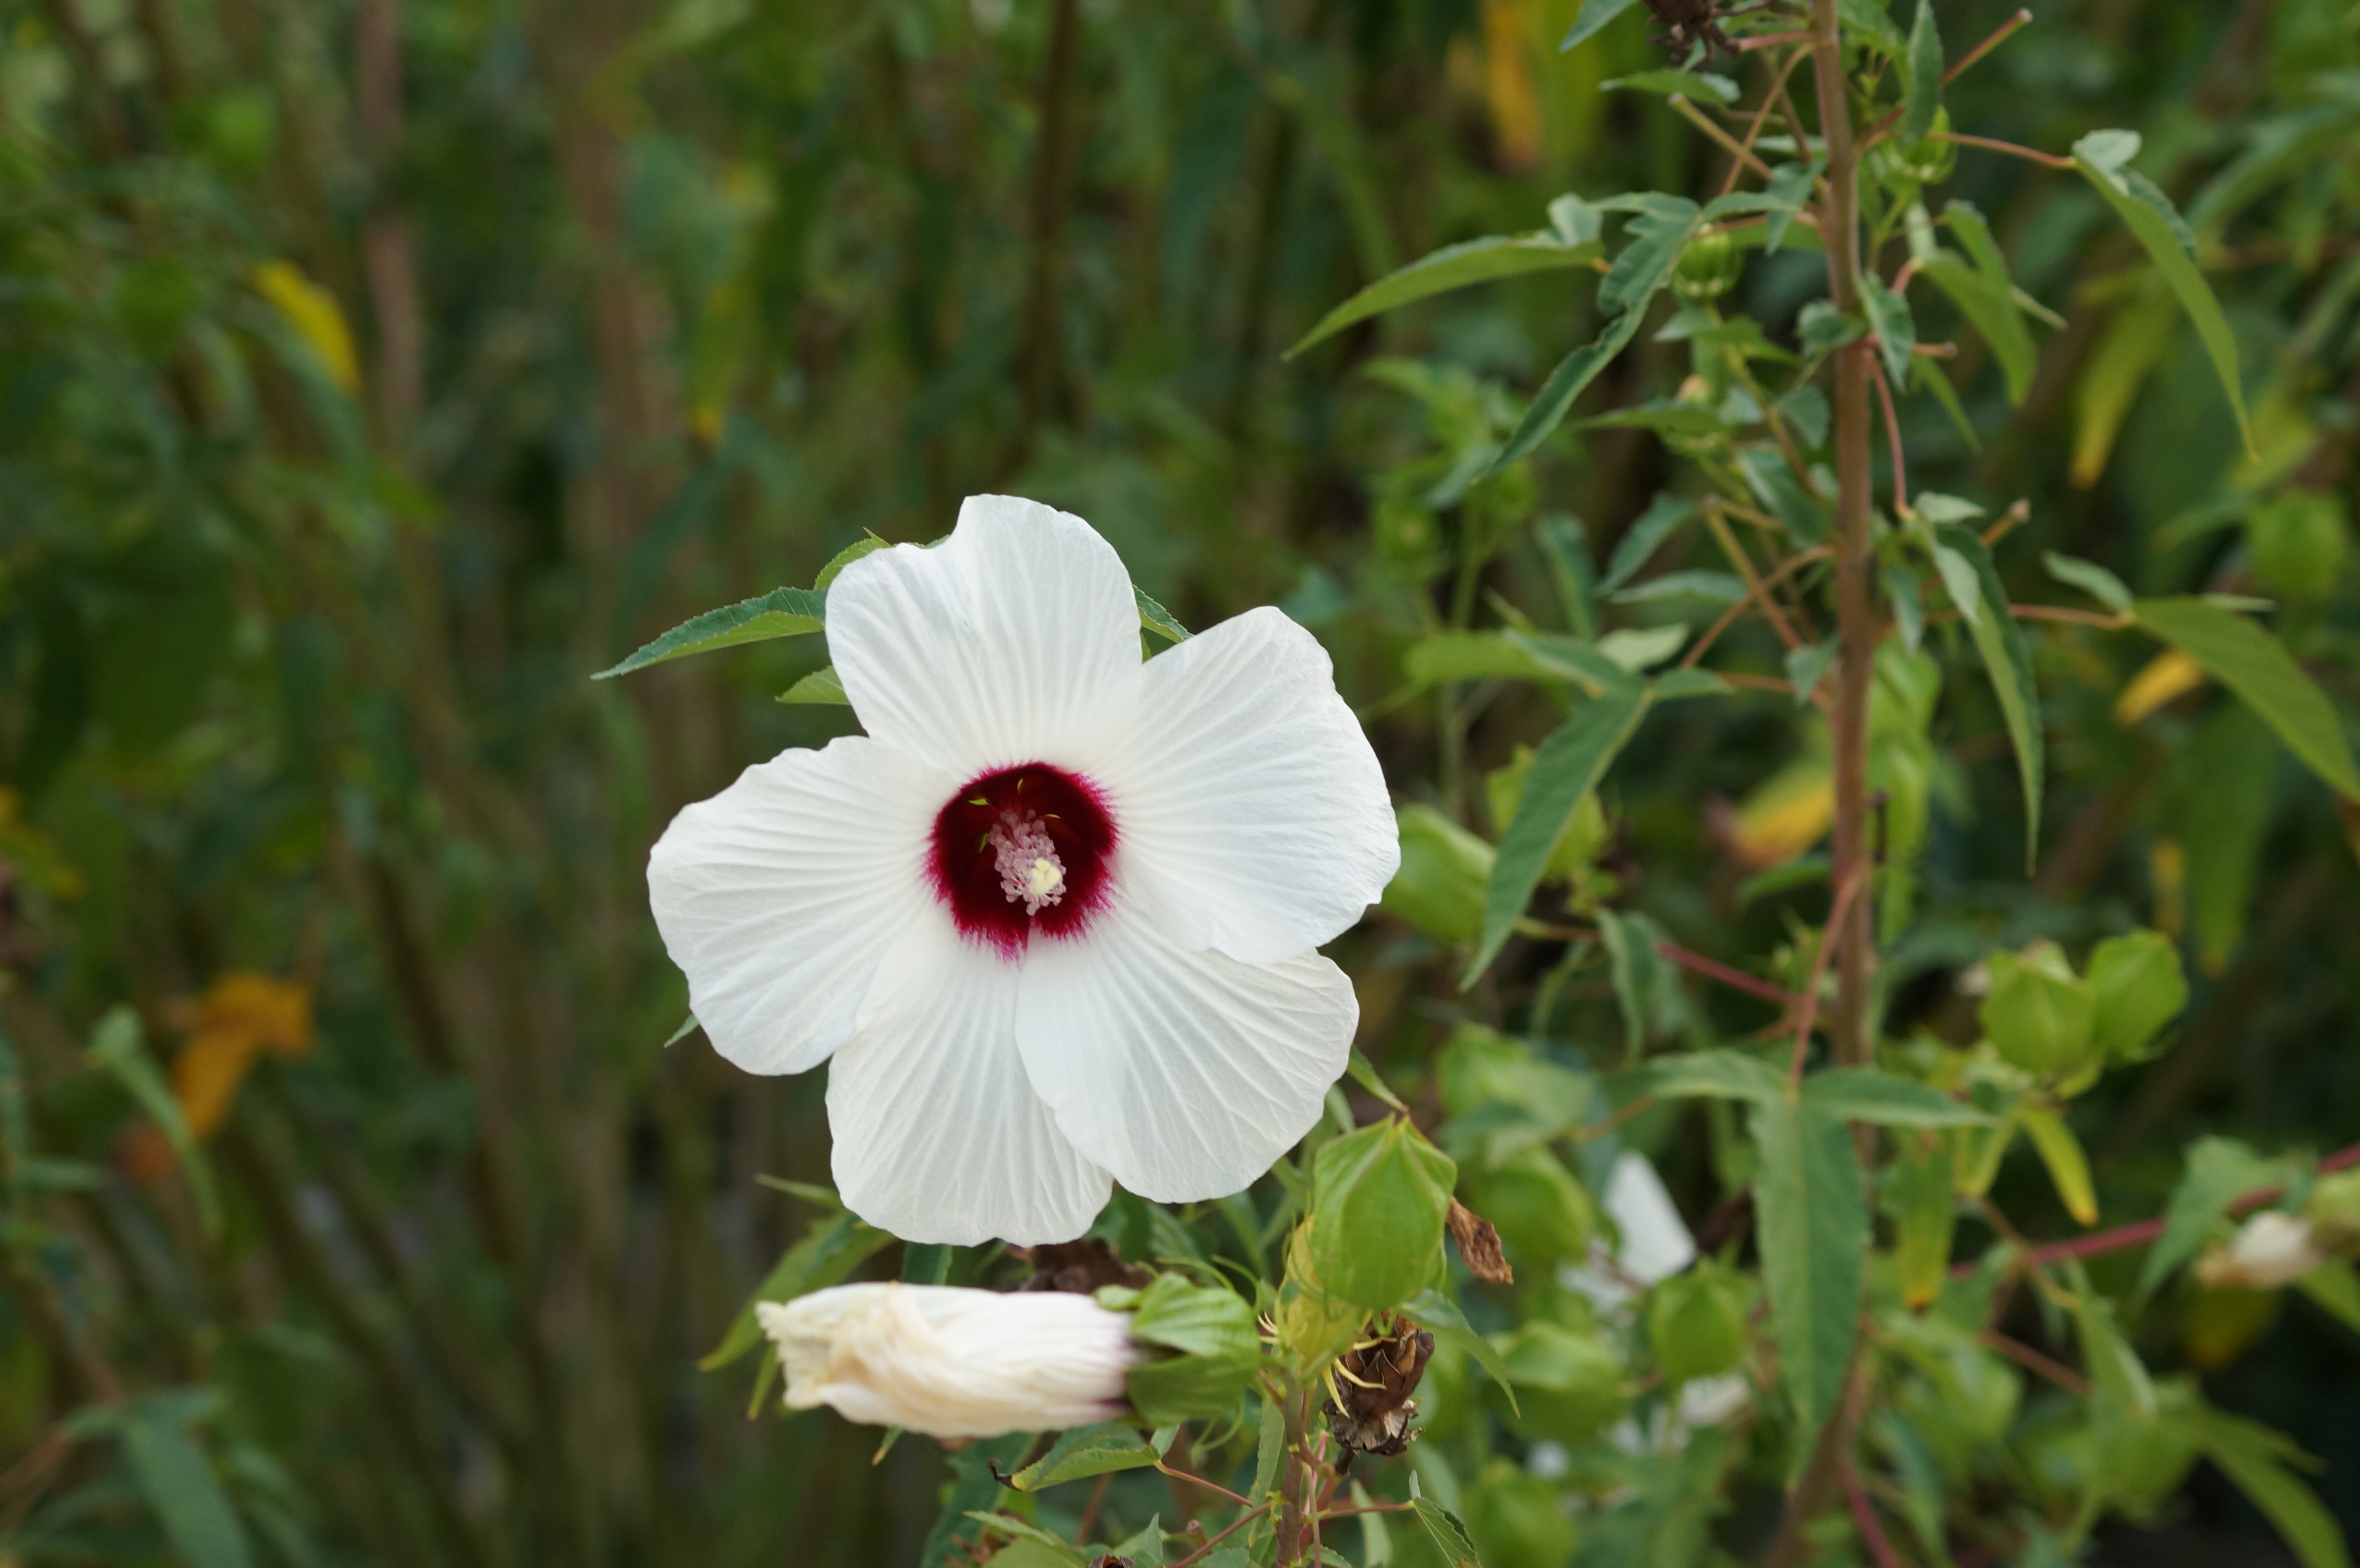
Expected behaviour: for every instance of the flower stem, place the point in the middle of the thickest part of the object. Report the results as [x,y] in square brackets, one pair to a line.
[1298,1484]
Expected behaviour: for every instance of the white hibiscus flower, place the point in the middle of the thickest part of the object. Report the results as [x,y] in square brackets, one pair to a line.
[1056,915]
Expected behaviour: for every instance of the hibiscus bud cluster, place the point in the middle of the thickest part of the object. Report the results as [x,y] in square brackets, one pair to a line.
[957,1363]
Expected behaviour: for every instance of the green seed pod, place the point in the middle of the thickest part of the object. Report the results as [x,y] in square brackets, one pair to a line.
[2335,1212]
[1539,1210]
[1517,1518]
[1568,1385]
[2299,542]
[1378,1200]
[1697,1322]
[2038,1013]
[1314,1326]
[2136,986]
[1708,268]
[1444,871]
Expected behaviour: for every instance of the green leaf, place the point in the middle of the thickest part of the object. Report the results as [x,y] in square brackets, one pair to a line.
[1667,81]
[1442,1527]
[822,685]
[1658,231]
[973,1488]
[2091,578]
[2335,1288]
[1212,1328]
[1471,656]
[1445,869]
[1867,1095]
[1593,17]
[2220,1171]
[1087,1451]
[1714,587]
[2007,660]
[1439,1316]
[2139,987]
[1270,1452]
[1896,329]
[116,1044]
[1587,665]
[831,1250]
[1568,381]
[1990,304]
[1925,93]
[179,1483]
[867,544]
[927,1263]
[1701,1074]
[1814,1227]
[1453,267]
[2257,667]
[1379,1198]
[1568,766]
[2121,1376]
[781,613]
[2256,1459]
[2101,156]
[1656,524]
[1030,1545]
[1158,619]
[1776,487]
[2069,1168]
[1631,957]
[688,1026]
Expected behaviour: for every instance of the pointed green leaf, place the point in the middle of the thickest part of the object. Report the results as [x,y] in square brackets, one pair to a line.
[116,1044]
[1444,1527]
[1656,524]
[1087,1451]
[1867,1095]
[1568,766]
[821,686]
[1594,18]
[2103,156]
[2007,660]
[2257,667]
[2091,578]
[1895,327]
[2068,1167]
[179,1483]
[1453,267]
[1439,1316]
[2256,1459]
[833,1248]
[1568,381]
[1158,619]
[1814,1239]
[2220,1171]
[781,613]
[1991,306]
[1925,77]
[1700,1074]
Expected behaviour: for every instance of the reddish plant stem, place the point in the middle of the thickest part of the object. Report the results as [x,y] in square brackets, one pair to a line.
[1864,1515]
[2146,1231]
[1892,437]
[1990,143]
[1762,113]
[1735,979]
[2023,1355]
[1810,1010]
[1964,62]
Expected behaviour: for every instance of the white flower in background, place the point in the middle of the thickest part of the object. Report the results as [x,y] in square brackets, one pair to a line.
[2271,1249]
[950,1362]
[1056,916]
[1655,1243]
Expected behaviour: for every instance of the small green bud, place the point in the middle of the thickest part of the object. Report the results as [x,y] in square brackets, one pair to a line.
[1217,1350]
[2038,1013]
[1444,871]
[2136,986]
[1380,1198]
[1539,1210]
[2298,541]
[1314,1327]
[1708,268]
[1696,1323]
[2335,1212]
[1568,1385]
[1516,1519]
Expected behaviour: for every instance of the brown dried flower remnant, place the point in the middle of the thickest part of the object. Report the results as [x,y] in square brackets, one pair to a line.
[1081,1268]
[1479,1243]
[1369,1406]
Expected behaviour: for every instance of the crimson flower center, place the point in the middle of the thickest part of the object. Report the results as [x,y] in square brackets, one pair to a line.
[1021,852]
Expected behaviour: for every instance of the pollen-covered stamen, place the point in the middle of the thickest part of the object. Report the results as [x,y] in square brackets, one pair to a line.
[1029,870]
[1024,853]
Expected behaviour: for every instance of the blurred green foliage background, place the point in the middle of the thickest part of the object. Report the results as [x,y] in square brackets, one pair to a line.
[373,371]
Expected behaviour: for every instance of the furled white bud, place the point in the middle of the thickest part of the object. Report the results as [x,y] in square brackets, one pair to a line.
[2273,1248]
[952,1363]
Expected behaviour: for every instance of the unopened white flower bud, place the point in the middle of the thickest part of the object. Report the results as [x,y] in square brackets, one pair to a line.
[2273,1248]
[950,1362]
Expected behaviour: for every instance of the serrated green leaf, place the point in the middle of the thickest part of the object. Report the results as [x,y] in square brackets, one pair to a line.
[2091,578]
[1668,81]
[1896,326]
[1568,764]
[116,1043]
[1158,619]
[1701,1074]
[781,613]
[2257,667]
[867,544]
[1991,305]
[1568,381]
[1925,94]
[2102,157]
[1087,1451]
[1452,266]
[1439,1316]
[1472,656]
[1630,941]
[2256,1460]
[2007,661]
[1270,1450]
[1445,1531]
[1814,1225]
[1868,1095]
[833,1248]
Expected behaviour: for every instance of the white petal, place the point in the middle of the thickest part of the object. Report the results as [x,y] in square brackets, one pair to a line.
[938,1135]
[952,1363]
[1014,641]
[779,897]
[1184,1074]
[1252,812]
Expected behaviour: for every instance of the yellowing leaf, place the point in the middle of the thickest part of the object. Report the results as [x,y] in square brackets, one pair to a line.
[2069,1168]
[1508,84]
[314,314]
[2169,674]
[1785,815]
[2135,340]
[240,1016]
[205,1079]
[2223,1325]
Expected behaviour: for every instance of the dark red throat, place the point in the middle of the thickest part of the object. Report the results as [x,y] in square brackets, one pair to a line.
[1048,815]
